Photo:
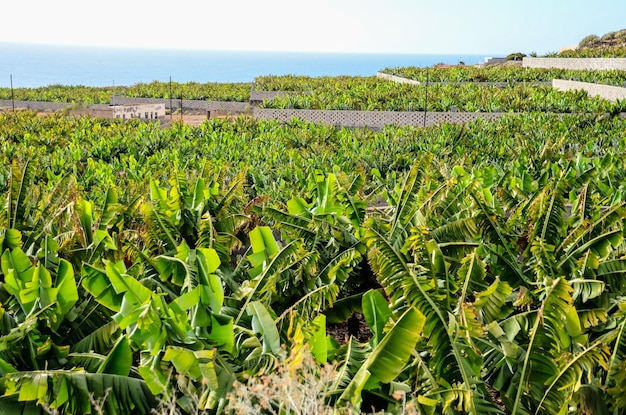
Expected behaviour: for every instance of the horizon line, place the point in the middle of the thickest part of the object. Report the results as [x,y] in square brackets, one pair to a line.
[199,49]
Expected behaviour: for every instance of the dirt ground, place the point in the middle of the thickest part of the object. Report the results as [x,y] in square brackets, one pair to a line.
[191,119]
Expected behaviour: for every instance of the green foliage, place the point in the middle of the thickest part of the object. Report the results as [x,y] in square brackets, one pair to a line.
[387,359]
[102,95]
[73,392]
[91,156]
[483,264]
[589,41]
[602,52]
[375,94]
[610,45]
[517,56]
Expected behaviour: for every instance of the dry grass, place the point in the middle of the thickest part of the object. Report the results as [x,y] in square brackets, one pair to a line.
[299,386]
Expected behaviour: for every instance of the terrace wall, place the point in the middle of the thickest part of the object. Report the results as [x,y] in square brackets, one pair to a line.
[35,105]
[192,105]
[595,64]
[188,104]
[611,93]
[260,96]
[372,119]
[402,80]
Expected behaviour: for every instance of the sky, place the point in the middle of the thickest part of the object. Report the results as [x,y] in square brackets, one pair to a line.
[362,26]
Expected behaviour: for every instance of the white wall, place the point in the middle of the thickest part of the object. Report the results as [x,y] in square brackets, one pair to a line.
[595,64]
[612,93]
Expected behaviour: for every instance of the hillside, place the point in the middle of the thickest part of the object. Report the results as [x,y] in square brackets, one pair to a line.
[612,44]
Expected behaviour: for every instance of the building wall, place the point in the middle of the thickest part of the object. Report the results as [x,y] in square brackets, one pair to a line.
[596,64]
[143,111]
[495,61]
[372,119]
[612,93]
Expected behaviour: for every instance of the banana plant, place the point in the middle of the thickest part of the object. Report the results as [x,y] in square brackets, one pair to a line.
[540,351]
[42,309]
[175,325]
[414,272]
[386,356]
[329,227]
[201,214]
[34,218]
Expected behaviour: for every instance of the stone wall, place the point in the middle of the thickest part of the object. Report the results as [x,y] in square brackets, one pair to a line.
[372,119]
[611,93]
[596,64]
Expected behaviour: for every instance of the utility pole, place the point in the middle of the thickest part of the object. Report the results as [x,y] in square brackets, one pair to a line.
[426,98]
[12,96]
[171,108]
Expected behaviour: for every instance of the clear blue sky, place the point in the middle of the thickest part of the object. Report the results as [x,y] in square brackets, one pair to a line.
[393,26]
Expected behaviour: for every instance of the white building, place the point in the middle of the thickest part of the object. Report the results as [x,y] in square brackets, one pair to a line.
[145,111]
[125,112]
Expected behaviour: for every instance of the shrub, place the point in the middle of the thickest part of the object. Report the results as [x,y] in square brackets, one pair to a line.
[589,41]
[517,56]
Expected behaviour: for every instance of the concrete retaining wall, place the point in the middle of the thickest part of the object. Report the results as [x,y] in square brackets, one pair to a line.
[189,105]
[35,105]
[372,119]
[612,93]
[596,64]
[492,84]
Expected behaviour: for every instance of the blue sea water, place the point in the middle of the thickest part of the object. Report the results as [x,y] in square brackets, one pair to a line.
[41,65]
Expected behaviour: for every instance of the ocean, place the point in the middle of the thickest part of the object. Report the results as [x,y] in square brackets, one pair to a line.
[38,65]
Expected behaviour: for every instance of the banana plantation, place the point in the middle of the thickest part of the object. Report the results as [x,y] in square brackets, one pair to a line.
[454,269]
